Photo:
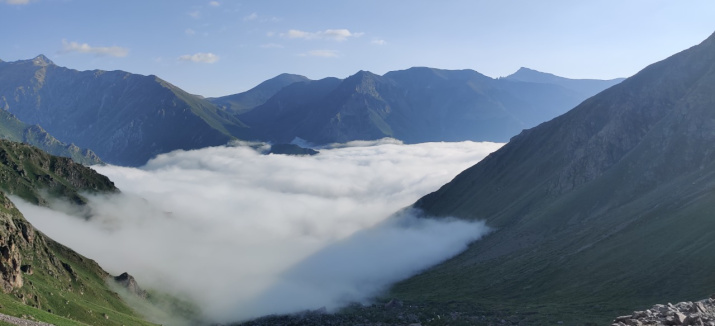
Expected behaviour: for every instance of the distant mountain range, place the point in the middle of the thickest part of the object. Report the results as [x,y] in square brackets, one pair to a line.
[413,105]
[13,129]
[607,208]
[127,118]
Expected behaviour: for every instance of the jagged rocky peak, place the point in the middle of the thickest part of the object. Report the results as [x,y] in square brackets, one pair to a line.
[127,281]
[42,61]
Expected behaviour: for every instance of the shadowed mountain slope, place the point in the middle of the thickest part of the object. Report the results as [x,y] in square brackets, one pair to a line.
[15,130]
[414,105]
[604,209]
[582,86]
[243,102]
[125,118]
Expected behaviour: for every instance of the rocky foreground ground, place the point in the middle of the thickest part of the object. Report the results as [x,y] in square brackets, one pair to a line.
[700,313]
[21,322]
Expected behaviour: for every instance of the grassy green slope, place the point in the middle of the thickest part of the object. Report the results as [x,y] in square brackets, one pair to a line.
[40,277]
[34,175]
[602,211]
[58,286]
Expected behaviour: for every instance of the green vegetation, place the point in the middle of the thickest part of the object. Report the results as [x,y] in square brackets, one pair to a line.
[52,283]
[34,175]
[602,211]
[42,279]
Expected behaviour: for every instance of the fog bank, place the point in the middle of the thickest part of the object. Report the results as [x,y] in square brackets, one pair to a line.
[245,234]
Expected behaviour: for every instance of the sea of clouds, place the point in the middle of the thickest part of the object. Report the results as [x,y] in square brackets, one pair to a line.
[243,234]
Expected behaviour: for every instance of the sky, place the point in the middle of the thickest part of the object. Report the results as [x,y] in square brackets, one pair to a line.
[221,47]
[243,234]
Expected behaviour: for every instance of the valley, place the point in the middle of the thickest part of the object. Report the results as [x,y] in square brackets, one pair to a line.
[219,162]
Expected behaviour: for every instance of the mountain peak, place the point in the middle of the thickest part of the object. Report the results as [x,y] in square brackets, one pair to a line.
[42,61]
[528,74]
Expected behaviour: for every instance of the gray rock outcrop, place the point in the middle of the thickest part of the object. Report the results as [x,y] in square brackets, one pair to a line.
[684,313]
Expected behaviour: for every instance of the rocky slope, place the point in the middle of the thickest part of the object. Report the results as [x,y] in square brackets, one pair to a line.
[583,204]
[41,278]
[36,176]
[125,118]
[683,313]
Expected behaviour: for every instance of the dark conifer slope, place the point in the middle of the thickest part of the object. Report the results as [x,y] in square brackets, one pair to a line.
[607,208]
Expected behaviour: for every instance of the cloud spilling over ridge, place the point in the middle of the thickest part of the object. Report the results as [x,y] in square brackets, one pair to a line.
[359,267]
[244,234]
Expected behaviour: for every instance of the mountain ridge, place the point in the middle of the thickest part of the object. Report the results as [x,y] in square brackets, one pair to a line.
[128,118]
[125,118]
[581,202]
[414,105]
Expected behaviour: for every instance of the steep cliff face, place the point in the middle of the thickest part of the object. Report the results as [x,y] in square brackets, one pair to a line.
[16,236]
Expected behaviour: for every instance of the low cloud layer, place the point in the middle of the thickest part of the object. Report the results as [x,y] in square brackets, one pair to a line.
[245,234]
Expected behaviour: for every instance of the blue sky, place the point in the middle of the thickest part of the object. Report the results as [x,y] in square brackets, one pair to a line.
[220,47]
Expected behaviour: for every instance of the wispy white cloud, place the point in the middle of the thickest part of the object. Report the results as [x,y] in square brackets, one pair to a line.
[272,46]
[214,4]
[190,32]
[195,14]
[16,2]
[113,51]
[321,53]
[254,16]
[328,34]
[200,57]
[379,42]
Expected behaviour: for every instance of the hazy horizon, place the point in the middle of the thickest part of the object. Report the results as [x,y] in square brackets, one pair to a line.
[221,47]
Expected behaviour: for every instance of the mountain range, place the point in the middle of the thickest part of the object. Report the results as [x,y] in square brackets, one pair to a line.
[127,118]
[607,208]
[415,105]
